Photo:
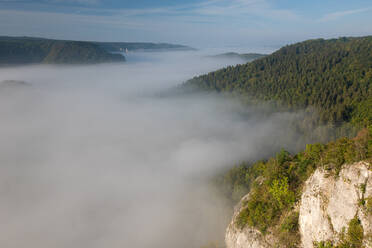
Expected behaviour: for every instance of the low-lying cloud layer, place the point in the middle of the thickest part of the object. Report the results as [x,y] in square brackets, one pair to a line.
[91,157]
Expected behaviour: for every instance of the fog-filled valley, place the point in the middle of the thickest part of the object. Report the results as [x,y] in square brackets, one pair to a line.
[93,156]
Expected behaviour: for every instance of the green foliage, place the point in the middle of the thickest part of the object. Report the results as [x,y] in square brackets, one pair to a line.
[339,153]
[258,212]
[324,244]
[283,156]
[363,188]
[369,142]
[362,112]
[280,192]
[288,232]
[290,223]
[334,76]
[313,151]
[368,202]
[355,233]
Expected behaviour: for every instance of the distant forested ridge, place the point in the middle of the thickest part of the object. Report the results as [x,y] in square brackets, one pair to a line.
[24,50]
[28,50]
[334,76]
[247,57]
[141,46]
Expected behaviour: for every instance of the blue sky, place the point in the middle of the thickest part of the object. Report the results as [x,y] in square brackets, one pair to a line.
[199,23]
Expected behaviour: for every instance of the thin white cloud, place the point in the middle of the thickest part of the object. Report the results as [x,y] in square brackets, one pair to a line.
[85,2]
[207,8]
[339,14]
[257,8]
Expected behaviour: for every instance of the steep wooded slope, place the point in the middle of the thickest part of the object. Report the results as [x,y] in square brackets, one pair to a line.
[334,76]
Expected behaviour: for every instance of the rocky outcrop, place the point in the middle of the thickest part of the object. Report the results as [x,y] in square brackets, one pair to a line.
[247,237]
[328,203]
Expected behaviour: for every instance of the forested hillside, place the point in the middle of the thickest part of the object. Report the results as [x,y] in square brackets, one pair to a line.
[32,50]
[334,76]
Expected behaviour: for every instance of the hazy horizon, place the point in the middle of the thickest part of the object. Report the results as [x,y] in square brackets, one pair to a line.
[196,23]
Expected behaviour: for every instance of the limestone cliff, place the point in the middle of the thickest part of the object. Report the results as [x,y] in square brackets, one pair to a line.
[328,203]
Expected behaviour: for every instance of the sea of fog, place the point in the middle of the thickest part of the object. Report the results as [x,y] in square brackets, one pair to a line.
[92,156]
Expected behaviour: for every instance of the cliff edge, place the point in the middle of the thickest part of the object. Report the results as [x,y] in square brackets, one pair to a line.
[334,210]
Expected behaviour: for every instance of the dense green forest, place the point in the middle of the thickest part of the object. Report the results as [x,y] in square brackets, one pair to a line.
[33,50]
[334,76]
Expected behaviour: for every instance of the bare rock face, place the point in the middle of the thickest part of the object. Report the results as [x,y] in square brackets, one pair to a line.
[247,237]
[328,203]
